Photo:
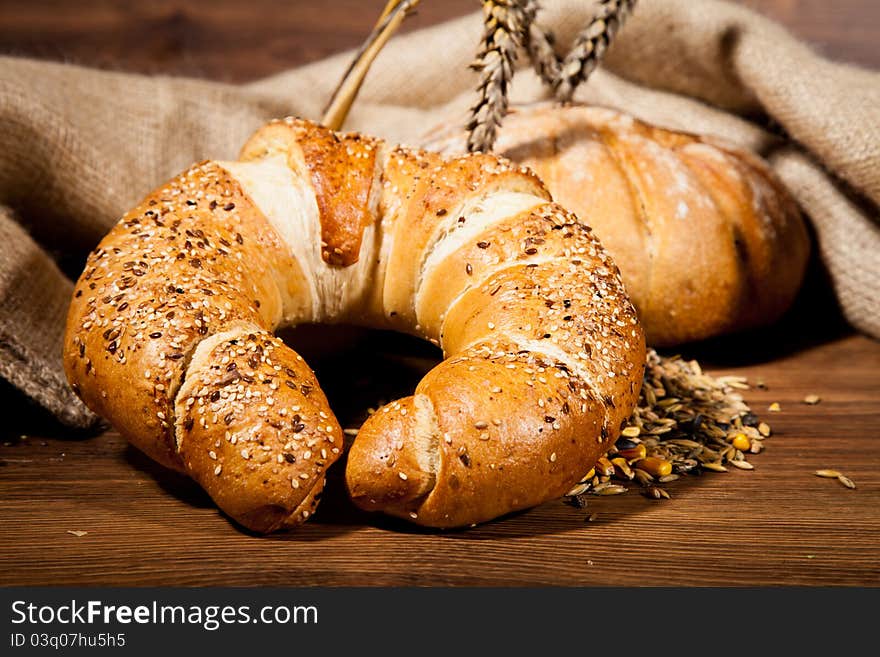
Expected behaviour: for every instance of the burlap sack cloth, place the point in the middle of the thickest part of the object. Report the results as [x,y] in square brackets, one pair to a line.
[78,147]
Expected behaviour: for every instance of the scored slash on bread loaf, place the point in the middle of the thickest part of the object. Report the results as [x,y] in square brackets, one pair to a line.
[170,330]
[706,237]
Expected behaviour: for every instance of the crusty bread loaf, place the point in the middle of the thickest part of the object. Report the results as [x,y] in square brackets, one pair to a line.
[170,331]
[707,239]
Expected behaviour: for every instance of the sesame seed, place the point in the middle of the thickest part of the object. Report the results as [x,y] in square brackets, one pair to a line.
[402,475]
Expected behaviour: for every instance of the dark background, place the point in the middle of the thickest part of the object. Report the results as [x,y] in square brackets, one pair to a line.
[237,40]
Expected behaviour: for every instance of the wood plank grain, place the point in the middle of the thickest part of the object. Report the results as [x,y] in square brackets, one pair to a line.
[227,40]
[779,524]
[235,41]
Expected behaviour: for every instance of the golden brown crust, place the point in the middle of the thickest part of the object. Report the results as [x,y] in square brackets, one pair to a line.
[545,357]
[707,239]
[769,234]
[513,430]
[155,286]
[194,258]
[169,334]
[255,430]
[392,475]
[424,193]
[341,169]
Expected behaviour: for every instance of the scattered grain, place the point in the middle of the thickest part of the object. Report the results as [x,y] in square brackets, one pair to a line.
[846,481]
[685,418]
[830,474]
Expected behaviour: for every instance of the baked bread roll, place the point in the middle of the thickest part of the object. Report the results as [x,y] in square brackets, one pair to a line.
[707,239]
[170,331]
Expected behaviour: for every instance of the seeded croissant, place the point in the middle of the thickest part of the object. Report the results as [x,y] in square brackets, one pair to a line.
[170,331]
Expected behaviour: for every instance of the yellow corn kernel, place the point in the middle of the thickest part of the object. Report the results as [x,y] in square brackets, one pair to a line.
[741,442]
[622,467]
[655,465]
[604,467]
[633,454]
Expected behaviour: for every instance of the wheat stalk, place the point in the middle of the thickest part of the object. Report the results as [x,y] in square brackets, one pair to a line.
[505,21]
[589,47]
[340,102]
[508,26]
[539,46]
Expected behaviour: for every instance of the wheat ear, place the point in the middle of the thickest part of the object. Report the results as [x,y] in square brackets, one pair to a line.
[590,46]
[504,23]
[539,46]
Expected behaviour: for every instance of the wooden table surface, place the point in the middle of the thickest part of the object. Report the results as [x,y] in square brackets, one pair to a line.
[776,525]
